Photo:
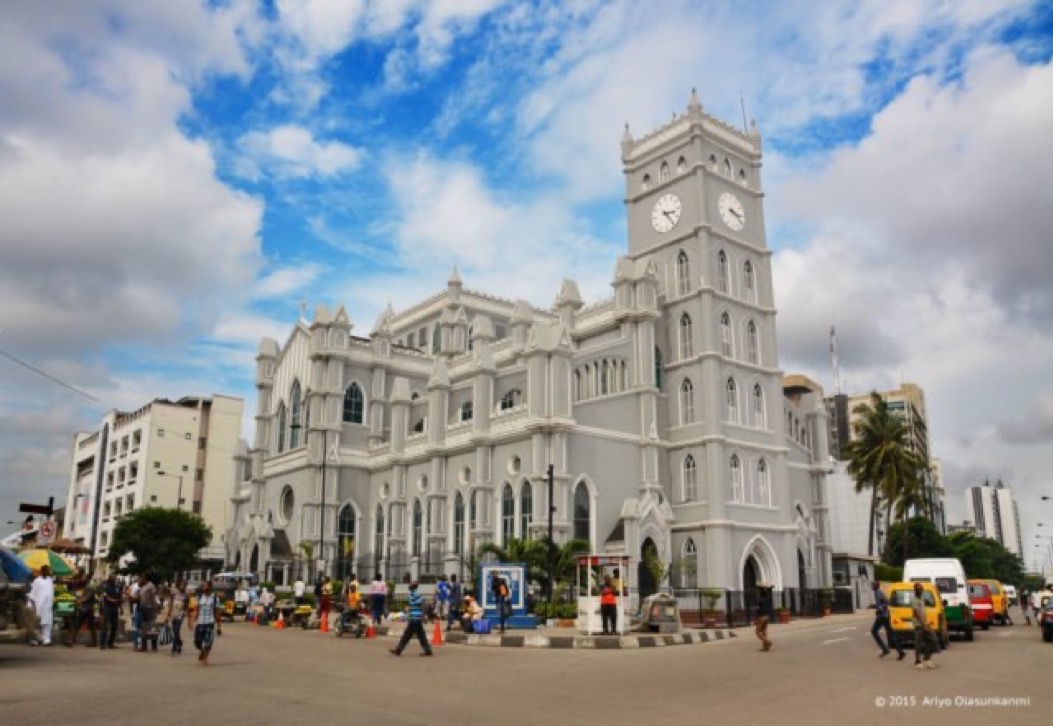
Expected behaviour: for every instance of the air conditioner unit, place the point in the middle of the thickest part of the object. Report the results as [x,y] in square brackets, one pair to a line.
[840,578]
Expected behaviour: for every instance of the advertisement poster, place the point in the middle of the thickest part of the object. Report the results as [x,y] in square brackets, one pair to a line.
[514,575]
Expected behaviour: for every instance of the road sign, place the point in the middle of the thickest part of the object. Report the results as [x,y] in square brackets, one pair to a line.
[45,509]
[46,535]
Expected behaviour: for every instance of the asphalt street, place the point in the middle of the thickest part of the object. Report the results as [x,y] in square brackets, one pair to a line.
[819,672]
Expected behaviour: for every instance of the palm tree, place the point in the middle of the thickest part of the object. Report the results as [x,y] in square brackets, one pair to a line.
[880,459]
[307,549]
[534,553]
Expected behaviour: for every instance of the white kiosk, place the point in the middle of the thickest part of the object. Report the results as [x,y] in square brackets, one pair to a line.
[591,571]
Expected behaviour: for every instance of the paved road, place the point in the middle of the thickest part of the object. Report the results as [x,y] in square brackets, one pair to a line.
[819,672]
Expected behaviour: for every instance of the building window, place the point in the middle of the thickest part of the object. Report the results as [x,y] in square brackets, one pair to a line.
[581,512]
[466,411]
[685,336]
[759,419]
[732,401]
[683,274]
[345,538]
[687,402]
[471,338]
[378,534]
[727,167]
[422,337]
[752,343]
[296,423]
[281,427]
[663,172]
[722,271]
[726,345]
[354,404]
[436,339]
[645,183]
[748,281]
[690,479]
[735,476]
[458,524]
[508,513]
[526,509]
[418,527]
[605,379]
[578,393]
[511,399]
[763,485]
[658,368]
[681,165]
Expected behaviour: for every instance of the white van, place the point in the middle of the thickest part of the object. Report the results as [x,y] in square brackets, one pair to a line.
[948,575]
[1010,593]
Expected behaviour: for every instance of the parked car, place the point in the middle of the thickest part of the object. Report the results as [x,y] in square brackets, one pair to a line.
[982,603]
[1045,620]
[948,575]
[900,600]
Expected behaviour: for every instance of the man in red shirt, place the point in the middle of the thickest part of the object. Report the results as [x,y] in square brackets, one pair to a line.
[609,607]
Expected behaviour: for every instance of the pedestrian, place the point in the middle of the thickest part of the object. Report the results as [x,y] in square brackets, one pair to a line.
[176,612]
[456,598]
[267,603]
[883,621]
[131,594]
[924,637]
[502,601]
[760,622]
[442,599]
[414,623]
[111,609]
[84,613]
[378,595]
[299,590]
[609,607]
[472,614]
[42,596]
[204,619]
[325,602]
[147,613]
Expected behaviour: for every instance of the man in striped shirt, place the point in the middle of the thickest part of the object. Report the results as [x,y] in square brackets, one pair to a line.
[415,623]
[205,621]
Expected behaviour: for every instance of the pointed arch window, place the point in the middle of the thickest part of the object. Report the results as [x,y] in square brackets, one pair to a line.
[526,509]
[687,402]
[582,512]
[296,404]
[752,344]
[727,167]
[686,349]
[663,172]
[354,404]
[759,419]
[748,281]
[471,338]
[732,392]
[763,484]
[378,534]
[436,339]
[605,378]
[690,479]
[345,538]
[418,527]
[508,513]
[645,184]
[281,427]
[658,368]
[683,274]
[467,412]
[735,478]
[458,524]
[681,165]
[722,271]
[726,345]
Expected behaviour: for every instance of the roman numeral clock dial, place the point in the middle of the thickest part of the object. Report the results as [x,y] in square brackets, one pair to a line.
[666,213]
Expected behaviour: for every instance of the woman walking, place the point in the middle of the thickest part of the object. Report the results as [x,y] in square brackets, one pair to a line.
[378,594]
[176,612]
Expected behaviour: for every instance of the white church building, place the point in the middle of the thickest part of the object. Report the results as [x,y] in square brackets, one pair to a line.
[662,409]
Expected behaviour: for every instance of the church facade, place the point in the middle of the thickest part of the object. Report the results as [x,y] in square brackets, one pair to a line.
[669,427]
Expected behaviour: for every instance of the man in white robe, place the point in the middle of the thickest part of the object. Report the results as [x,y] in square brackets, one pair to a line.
[42,595]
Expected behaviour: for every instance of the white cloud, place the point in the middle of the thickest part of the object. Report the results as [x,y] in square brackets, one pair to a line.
[290,151]
[284,281]
[322,27]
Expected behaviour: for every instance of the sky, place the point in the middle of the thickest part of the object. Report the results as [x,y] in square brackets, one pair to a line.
[178,178]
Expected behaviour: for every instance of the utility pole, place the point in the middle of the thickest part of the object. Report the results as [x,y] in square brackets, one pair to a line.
[321,521]
[551,541]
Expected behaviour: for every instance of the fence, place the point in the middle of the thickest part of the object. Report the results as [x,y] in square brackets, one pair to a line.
[738,608]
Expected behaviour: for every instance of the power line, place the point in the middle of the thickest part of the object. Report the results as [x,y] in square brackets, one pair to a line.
[45,374]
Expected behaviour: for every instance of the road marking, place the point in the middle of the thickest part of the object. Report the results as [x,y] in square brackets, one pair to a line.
[841,630]
[835,640]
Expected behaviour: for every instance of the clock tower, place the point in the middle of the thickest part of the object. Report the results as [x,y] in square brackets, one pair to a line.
[695,209]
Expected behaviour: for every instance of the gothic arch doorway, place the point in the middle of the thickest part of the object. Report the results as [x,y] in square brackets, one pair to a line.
[802,574]
[648,553]
[254,561]
[750,574]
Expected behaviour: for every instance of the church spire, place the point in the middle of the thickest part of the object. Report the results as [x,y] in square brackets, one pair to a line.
[694,106]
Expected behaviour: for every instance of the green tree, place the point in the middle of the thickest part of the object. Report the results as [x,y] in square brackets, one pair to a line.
[986,558]
[529,551]
[879,459]
[921,539]
[161,541]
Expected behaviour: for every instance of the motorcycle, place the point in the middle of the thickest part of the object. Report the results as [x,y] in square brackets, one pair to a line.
[352,622]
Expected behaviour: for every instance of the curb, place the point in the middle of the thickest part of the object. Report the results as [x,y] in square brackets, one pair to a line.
[588,642]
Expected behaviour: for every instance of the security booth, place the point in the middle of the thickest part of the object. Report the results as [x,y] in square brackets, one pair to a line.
[591,571]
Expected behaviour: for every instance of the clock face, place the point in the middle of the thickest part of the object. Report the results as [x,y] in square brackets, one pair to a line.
[666,212]
[731,211]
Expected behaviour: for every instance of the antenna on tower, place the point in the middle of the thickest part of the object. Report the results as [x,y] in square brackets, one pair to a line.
[835,359]
[742,103]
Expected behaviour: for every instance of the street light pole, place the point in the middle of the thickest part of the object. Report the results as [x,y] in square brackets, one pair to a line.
[551,542]
[321,521]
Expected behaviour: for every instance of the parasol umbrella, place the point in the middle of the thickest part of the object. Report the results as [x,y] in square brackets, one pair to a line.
[14,569]
[69,547]
[35,559]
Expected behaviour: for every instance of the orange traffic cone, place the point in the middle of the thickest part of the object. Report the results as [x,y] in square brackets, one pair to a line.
[436,635]
[280,625]
[370,632]
[324,622]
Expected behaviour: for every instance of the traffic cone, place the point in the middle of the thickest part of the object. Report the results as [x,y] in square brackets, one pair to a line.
[281,622]
[370,632]
[324,624]
[436,635]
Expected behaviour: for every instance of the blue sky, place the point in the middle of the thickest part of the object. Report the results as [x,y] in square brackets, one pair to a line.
[177,177]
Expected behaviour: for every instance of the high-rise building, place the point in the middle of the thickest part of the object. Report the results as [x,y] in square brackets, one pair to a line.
[166,454]
[993,511]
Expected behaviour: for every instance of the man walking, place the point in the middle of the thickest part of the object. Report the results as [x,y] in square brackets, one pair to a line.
[502,600]
[147,611]
[205,622]
[299,589]
[883,621]
[442,599]
[111,607]
[924,638]
[42,595]
[415,624]
[456,597]
[84,613]
[176,613]
[760,622]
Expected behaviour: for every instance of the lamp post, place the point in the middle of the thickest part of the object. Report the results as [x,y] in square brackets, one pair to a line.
[321,516]
[551,543]
[179,496]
